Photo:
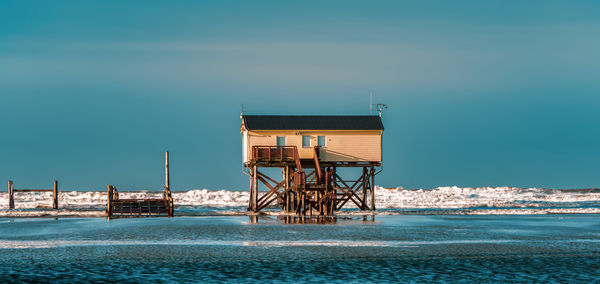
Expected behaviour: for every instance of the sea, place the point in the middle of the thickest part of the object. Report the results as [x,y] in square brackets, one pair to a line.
[442,235]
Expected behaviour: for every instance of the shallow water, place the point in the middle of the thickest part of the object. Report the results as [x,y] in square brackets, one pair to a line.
[237,248]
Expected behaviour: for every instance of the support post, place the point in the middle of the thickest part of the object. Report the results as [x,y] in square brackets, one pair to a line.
[298,198]
[11,196]
[364,188]
[286,204]
[55,195]
[168,196]
[254,189]
[109,198]
[310,206]
[251,199]
[302,198]
[372,173]
[334,189]
[167,182]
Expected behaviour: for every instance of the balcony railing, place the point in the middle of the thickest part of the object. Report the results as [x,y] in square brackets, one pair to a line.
[274,153]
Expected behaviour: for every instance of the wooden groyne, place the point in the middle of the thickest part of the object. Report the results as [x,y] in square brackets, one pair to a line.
[12,190]
[153,207]
[116,207]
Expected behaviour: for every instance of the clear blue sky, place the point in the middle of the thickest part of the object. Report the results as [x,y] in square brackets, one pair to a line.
[481,93]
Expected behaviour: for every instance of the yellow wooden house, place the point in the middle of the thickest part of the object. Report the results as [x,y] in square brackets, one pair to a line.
[340,138]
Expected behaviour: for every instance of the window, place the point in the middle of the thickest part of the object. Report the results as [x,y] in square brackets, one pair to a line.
[280,140]
[321,141]
[305,141]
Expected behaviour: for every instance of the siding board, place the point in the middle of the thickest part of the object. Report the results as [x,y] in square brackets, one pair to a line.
[342,145]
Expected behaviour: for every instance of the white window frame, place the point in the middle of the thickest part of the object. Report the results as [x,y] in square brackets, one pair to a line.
[309,141]
[324,141]
[284,141]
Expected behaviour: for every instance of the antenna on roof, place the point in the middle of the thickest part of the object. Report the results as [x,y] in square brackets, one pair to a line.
[242,112]
[371,103]
[380,108]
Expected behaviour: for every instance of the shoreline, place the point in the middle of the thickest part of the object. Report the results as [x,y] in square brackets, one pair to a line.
[41,214]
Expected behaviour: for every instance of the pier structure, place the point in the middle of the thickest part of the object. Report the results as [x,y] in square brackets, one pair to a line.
[12,191]
[326,162]
[148,207]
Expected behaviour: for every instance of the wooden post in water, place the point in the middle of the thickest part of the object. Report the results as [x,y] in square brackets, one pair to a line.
[109,197]
[334,189]
[364,188]
[167,182]
[11,196]
[251,192]
[254,189]
[286,202]
[372,172]
[302,198]
[310,208]
[55,196]
[168,195]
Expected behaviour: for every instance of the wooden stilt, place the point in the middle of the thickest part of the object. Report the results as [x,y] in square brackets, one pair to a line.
[55,195]
[11,195]
[255,189]
[320,202]
[251,199]
[168,195]
[285,188]
[303,203]
[334,189]
[109,198]
[167,181]
[310,208]
[364,188]
[372,172]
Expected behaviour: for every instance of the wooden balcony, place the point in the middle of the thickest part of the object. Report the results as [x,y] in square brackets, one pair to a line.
[274,154]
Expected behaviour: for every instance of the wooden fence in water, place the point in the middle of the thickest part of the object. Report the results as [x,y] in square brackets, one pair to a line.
[12,191]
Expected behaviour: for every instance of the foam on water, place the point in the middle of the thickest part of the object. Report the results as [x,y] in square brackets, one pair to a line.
[327,243]
[442,200]
[16,244]
[490,197]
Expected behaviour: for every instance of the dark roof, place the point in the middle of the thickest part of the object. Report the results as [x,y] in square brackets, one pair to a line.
[313,122]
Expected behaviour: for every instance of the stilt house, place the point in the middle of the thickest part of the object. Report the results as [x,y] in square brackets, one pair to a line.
[310,149]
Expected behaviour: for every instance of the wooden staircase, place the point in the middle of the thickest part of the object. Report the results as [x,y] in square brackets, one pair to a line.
[313,191]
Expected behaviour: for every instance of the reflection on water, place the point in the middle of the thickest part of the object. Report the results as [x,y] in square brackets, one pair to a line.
[295,219]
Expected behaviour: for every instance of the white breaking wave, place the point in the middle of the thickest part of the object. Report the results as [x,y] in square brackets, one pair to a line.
[97,199]
[482,200]
[472,197]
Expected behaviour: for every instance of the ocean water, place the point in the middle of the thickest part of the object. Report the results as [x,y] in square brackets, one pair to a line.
[394,248]
[441,200]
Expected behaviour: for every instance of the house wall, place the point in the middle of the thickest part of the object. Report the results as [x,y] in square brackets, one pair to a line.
[245,155]
[341,145]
